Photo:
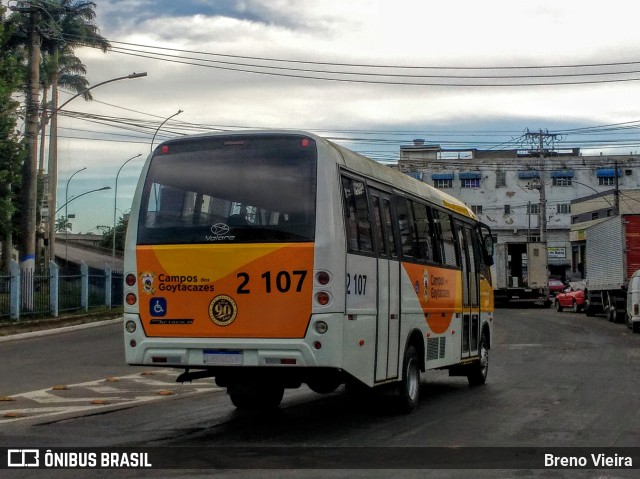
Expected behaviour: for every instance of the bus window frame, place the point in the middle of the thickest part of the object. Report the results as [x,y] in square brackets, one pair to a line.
[351,177]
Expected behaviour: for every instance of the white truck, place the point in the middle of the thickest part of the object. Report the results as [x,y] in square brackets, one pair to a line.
[612,255]
[521,274]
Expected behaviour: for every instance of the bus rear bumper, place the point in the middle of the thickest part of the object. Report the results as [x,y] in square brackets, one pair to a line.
[314,350]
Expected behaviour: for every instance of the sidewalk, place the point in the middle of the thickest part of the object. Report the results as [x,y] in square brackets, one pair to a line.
[11,329]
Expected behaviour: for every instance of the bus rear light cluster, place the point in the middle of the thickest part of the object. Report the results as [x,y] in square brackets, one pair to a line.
[130,279]
[323,298]
[130,327]
[131,299]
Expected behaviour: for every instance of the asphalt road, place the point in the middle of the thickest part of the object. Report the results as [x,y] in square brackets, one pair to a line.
[555,380]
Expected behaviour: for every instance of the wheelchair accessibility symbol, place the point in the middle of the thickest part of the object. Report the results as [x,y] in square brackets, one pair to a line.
[158,307]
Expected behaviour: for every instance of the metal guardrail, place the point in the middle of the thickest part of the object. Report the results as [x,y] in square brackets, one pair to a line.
[47,293]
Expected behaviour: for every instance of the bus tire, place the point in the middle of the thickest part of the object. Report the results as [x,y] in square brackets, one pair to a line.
[267,396]
[409,386]
[478,371]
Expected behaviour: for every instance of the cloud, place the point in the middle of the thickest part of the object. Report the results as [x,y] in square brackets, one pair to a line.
[402,32]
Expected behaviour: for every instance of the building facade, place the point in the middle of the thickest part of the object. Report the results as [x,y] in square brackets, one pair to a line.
[510,190]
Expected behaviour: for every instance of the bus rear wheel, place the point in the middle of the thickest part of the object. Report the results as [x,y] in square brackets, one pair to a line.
[256,397]
[409,386]
[478,371]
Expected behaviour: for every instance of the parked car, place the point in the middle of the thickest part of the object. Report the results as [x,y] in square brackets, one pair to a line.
[572,297]
[555,286]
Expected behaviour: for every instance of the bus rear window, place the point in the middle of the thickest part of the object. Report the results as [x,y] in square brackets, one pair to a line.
[252,189]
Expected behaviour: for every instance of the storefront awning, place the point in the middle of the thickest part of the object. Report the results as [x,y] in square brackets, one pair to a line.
[528,174]
[442,176]
[562,174]
[608,173]
[470,175]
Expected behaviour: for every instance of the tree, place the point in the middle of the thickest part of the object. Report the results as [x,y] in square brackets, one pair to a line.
[107,235]
[71,74]
[75,24]
[61,25]
[12,151]
[63,225]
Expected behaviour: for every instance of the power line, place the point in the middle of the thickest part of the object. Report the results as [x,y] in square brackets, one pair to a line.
[364,65]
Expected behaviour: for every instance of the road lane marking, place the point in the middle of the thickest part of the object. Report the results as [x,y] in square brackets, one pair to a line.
[99,396]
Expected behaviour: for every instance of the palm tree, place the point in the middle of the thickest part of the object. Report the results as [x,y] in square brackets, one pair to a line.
[71,75]
[74,24]
[63,225]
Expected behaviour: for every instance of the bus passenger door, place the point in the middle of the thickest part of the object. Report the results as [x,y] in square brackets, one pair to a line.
[470,291]
[361,277]
[388,318]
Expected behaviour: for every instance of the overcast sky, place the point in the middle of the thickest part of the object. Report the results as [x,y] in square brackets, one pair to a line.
[338,44]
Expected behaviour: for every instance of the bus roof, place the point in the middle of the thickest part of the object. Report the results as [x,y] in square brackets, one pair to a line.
[363,165]
[372,169]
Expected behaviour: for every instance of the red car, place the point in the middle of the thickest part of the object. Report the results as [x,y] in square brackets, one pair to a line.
[572,297]
[555,286]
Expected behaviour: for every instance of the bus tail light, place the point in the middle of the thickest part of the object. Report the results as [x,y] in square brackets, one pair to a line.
[130,280]
[131,299]
[130,326]
[323,278]
[323,298]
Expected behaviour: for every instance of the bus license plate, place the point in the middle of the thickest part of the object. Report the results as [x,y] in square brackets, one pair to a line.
[222,356]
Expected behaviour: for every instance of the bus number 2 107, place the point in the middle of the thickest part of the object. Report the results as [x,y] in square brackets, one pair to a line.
[357,284]
[282,281]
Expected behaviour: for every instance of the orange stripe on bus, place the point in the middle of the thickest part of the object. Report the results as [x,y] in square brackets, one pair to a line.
[439,292]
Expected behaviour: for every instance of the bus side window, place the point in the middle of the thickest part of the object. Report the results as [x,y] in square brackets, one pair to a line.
[391,235]
[423,231]
[444,228]
[356,212]
[377,226]
[407,228]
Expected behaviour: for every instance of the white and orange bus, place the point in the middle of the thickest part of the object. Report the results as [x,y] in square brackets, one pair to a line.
[271,259]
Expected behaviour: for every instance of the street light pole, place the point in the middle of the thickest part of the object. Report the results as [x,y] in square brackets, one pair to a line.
[126,77]
[161,125]
[102,188]
[115,205]
[66,195]
[52,168]
[66,216]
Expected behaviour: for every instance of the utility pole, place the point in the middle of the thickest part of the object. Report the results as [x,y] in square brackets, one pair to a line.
[30,167]
[616,190]
[542,208]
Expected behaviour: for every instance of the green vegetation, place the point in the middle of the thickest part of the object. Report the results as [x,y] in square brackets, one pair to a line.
[63,25]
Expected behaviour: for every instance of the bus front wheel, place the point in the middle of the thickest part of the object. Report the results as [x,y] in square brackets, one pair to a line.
[409,387]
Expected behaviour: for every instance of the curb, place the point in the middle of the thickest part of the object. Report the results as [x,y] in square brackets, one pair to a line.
[63,329]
